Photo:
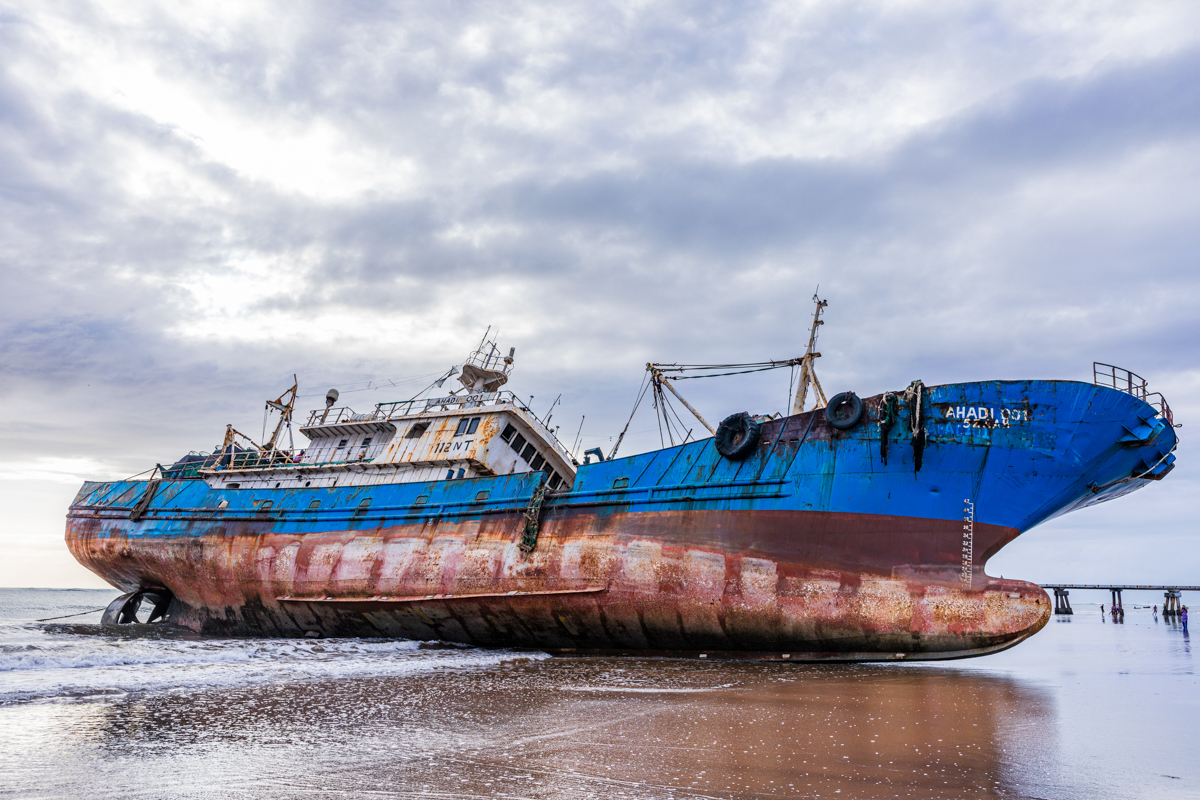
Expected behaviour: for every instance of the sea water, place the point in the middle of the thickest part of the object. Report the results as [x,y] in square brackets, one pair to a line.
[1085,709]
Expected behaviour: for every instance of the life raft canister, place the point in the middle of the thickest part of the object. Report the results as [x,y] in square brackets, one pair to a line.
[737,436]
[844,411]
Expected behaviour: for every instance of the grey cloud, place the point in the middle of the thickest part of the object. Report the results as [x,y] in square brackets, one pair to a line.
[996,240]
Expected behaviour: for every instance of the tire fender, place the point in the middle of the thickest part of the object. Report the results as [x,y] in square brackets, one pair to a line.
[737,436]
[845,410]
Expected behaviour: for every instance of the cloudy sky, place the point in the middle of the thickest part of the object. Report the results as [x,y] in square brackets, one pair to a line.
[199,200]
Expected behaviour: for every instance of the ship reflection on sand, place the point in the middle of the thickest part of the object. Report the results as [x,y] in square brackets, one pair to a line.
[588,728]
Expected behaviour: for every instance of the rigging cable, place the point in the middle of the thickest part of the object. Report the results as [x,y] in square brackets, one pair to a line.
[723,374]
[642,393]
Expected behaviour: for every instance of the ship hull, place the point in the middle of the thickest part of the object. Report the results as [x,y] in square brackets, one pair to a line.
[814,548]
[715,582]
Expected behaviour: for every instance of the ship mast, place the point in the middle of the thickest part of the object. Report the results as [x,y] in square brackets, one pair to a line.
[808,376]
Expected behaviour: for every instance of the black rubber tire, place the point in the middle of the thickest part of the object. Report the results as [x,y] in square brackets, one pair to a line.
[737,436]
[844,423]
[837,403]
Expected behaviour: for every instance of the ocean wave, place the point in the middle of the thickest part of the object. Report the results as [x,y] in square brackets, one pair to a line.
[64,667]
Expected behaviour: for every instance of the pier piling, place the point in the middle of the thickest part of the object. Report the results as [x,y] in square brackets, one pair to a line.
[1171,603]
[1172,597]
[1061,604]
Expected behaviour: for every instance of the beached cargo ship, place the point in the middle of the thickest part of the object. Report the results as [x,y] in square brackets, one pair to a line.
[855,531]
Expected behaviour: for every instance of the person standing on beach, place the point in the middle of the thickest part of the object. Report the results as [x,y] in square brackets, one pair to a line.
[1183,617]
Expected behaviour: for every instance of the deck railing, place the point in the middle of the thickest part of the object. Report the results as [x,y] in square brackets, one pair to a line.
[193,464]
[403,408]
[1124,380]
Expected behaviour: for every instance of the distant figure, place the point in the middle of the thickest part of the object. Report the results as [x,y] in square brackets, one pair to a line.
[1102,609]
[1183,617]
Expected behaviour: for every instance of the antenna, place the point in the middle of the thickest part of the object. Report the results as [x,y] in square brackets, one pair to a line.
[578,434]
[550,413]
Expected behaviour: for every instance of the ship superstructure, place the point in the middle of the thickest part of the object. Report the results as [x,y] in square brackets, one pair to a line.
[480,431]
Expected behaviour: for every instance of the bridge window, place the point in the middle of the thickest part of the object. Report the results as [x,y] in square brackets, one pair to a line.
[537,461]
[555,481]
[518,443]
[416,430]
[462,427]
[342,443]
[508,433]
[529,452]
[367,442]
[474,426]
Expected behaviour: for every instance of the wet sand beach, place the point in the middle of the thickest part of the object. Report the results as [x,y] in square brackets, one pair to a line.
[1086,709]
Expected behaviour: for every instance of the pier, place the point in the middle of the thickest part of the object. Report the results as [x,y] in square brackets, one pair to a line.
[1172,596]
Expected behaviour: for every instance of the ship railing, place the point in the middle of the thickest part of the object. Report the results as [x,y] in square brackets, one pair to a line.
[236,459]
[1124,380]
[1159,403]
[405,408]
[336,416]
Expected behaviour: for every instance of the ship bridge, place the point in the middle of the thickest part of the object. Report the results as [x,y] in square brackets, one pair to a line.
[484,431]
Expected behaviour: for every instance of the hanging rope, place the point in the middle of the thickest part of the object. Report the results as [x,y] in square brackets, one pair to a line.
[914,396]
[888,413]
